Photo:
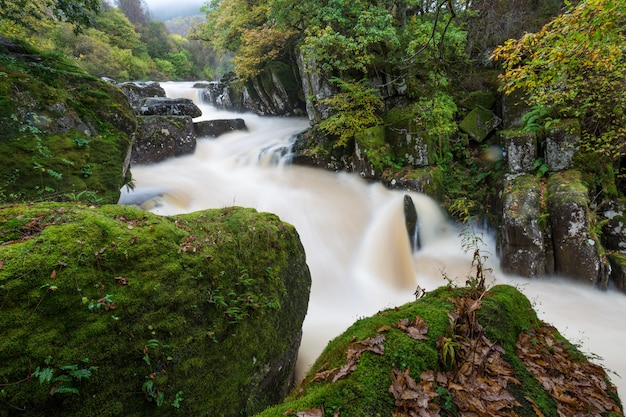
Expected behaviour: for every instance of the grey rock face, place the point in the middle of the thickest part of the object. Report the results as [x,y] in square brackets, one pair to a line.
[520,150]
[576,250]
[162,137]
[562,141]
[162,106]
[215,128]
[525,239]
[136,92]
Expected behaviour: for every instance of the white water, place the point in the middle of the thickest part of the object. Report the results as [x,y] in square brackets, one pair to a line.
[355,239]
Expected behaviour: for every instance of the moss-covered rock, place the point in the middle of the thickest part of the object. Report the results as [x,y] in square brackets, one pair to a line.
[408,361]
[578,252]
[62,132]
[526,243]
[197,314]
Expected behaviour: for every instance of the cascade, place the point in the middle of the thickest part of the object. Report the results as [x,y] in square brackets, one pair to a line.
[355,236]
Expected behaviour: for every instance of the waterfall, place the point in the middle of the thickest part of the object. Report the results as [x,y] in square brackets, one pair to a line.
[354,235]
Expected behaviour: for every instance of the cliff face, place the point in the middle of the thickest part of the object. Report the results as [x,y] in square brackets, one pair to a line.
[62,132]
[114,311]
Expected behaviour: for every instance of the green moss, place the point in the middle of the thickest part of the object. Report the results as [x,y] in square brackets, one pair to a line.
[50,103]
[568,185]
[504,314]
[136,294]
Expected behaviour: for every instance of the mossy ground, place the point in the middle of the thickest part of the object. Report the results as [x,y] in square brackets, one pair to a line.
[63,132]
[505,314]
[197,305]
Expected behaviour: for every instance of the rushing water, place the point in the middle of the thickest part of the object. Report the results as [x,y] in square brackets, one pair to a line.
[354,236]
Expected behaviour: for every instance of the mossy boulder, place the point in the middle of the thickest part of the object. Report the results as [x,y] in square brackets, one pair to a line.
[62,131]
[455,351]
[196,314]
[525,241]
[578,252]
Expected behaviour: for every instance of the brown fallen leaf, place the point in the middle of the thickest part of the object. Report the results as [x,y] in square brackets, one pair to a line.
[416,330]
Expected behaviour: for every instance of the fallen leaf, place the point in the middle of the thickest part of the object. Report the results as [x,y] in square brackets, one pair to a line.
[416,330]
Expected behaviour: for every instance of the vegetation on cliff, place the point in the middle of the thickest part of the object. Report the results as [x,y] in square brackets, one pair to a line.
[65,134]
[114,311]
[575,67]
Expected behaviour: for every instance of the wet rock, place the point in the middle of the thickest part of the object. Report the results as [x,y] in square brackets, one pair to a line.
[162,137]
[525,247]
[136,92]
[221,94]
[618,270]
[562,141]
[577,252]
[412,223]
[274,92]
[215,128]
[163,106]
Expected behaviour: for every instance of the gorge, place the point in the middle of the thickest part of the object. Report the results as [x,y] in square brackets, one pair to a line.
[353,234]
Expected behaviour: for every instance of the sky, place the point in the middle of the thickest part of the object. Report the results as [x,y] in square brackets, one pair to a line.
[167,9]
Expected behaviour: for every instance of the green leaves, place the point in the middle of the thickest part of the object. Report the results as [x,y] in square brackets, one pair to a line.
[575,66]
[356,108]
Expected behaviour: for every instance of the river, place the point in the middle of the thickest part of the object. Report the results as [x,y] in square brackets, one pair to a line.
[355,239]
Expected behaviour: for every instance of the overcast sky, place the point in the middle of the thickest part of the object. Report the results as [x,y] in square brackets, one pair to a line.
[166,9]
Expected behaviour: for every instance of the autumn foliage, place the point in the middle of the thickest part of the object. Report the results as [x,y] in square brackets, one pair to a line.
[575,66]
[477,373]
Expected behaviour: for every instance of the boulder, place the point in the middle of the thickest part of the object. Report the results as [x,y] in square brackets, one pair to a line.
[64,134]
[136,92]
[116,311]
[222,95]
[520,148]
[163,106]
[577,250]
[215,128]
[562,141]
[162,137]
[453,351]
[479,123]
[525,243]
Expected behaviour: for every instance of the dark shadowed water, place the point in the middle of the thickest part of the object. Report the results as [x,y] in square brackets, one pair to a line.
[354,236]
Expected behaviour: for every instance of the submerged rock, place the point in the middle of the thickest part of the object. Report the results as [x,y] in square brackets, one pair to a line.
[453,352]
[116,311]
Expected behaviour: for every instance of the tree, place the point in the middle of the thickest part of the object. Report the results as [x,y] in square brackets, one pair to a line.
[27,13]
[135,10]
[575,66]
